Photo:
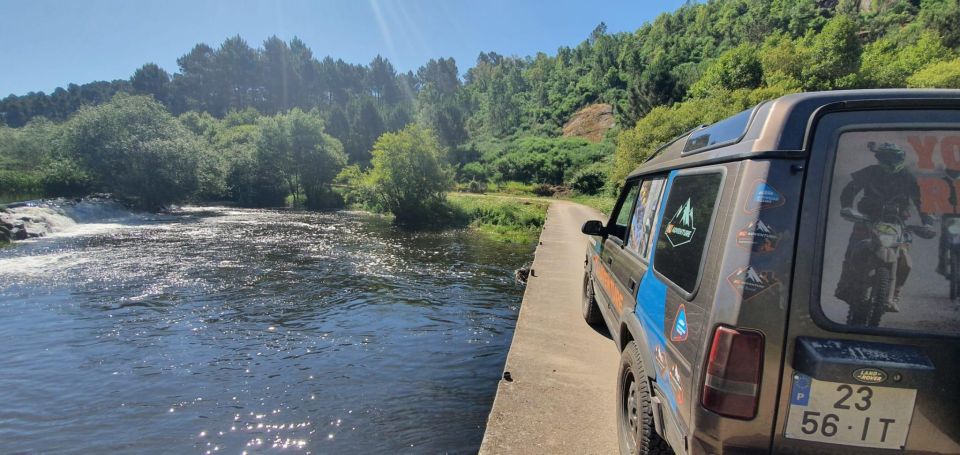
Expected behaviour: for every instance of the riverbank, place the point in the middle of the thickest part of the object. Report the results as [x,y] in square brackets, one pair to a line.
[557,394]
[503,218]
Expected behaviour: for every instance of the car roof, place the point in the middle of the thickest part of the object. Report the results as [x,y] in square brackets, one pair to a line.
[780,126]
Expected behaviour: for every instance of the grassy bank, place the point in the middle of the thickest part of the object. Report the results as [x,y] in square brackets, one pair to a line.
[603,203]
[506,219]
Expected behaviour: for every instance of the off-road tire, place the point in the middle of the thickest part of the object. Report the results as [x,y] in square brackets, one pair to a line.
[882,289]
[591,312]
[635,430]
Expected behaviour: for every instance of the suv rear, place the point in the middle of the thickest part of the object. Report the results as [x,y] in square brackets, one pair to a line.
[787,280]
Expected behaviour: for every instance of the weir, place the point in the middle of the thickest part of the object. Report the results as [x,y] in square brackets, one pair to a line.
[558,390]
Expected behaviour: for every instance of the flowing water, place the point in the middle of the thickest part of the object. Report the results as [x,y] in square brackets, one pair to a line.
[220,330]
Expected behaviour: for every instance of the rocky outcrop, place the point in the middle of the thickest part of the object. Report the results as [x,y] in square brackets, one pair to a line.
[591,122]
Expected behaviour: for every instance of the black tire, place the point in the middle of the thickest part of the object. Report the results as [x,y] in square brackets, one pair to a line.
[635,430]
[591,312]
[882,289]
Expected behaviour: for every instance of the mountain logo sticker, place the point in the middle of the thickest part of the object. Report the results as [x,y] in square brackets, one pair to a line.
[758,237]
[680,230]
[750,283]
[764,197]
[679,332]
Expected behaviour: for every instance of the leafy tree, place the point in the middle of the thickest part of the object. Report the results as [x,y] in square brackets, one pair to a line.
[887,65]
[735,69]
[937,75]
[134,148]
[834,55]
[409,177]
[152,80]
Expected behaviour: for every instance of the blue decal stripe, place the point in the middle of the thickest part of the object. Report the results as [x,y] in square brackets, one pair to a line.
[652,302]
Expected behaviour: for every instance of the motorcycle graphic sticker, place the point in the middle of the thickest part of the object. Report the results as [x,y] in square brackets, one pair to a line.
[758,237]
[679,332]
[680,230]
[764,196]
[751,283]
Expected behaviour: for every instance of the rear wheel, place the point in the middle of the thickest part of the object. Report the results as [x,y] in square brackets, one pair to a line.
[591,312]
[635,431]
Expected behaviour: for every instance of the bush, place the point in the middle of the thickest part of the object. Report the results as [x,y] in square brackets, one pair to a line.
[543,189]
[410,176]
[477,187]
[65,178]
[937,75]
[590,180]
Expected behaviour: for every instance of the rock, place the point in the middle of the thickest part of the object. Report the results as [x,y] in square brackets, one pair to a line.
[5,235]
[591,122]
[20,233]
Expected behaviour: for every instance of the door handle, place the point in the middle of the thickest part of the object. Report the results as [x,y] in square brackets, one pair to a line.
[632,283]
[609,261]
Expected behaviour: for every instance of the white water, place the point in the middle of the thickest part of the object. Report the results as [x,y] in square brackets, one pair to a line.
[65,218]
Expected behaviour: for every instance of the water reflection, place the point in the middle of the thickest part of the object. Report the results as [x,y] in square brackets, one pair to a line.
[231,330]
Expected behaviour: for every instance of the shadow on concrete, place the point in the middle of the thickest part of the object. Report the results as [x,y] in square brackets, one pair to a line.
[602,329]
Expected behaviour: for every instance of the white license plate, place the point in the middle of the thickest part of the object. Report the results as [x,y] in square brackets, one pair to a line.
[851,414]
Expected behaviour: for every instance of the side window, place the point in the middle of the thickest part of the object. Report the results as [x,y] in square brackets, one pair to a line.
[641,227]
[621,217]
[684,228]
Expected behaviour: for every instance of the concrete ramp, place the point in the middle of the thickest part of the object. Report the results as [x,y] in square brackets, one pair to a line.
[564,374]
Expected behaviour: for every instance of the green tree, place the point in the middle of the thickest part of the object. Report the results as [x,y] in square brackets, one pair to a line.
[937,75]
[737,68]
[134,148]
[410,177]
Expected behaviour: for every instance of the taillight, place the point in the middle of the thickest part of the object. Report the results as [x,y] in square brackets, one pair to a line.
[732,384]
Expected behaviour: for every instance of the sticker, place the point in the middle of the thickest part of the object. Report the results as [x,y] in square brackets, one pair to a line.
[679,332]
[758,237]
[750,283]
[607,283]
[680,230]
[764,197]
[801,390]
[675,382]
[661,358]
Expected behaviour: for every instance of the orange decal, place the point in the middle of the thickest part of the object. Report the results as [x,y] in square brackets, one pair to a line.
[607,283]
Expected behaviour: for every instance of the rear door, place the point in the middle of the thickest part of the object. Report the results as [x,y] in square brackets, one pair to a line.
[872,351]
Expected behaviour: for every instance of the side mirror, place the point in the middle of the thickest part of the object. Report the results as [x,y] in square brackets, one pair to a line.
[594,227]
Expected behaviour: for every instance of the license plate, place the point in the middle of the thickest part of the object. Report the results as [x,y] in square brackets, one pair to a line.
[850,414]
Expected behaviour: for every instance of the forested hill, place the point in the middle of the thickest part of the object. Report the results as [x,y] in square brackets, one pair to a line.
[501,119]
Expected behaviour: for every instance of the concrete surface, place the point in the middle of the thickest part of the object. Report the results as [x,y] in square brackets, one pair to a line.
[564,373]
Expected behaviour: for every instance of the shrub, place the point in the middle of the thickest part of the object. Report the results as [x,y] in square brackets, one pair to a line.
[937,75]
[589,180]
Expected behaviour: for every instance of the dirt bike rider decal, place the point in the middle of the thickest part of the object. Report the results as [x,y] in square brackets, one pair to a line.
[877,253]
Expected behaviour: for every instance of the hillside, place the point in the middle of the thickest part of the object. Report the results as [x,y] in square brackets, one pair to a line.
[508,118]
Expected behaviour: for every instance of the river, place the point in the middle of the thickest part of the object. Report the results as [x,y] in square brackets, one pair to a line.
[222,330]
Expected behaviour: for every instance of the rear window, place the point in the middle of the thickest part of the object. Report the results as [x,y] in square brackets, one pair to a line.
[892,246]
[684,228]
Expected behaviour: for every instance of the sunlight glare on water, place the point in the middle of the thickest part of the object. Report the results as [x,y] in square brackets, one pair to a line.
[229,330]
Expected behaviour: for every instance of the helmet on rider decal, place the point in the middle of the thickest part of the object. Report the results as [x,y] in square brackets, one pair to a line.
[891,157]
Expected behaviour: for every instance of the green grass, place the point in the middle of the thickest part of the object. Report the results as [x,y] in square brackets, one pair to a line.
[502,218]
[601,202]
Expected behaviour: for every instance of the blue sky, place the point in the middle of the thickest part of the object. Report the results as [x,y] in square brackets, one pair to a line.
[48,43]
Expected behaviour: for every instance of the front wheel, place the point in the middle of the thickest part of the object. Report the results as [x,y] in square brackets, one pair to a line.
[591,312]
[635,431]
